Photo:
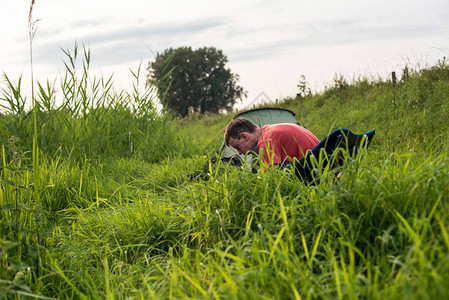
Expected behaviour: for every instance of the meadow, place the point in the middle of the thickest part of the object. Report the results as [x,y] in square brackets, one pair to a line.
[96,201]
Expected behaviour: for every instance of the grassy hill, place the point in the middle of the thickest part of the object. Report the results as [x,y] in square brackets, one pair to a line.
[410,116]
[96,202]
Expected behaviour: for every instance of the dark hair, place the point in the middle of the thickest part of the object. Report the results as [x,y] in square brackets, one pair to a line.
[237,126]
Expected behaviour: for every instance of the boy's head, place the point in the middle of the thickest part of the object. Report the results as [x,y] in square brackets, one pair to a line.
[241,134]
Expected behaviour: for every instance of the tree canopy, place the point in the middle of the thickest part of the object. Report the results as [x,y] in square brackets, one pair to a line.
[194,80]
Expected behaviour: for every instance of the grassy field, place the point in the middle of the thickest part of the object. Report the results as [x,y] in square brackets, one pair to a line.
[96,201]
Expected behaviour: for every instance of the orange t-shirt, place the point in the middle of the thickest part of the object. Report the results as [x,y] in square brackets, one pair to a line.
[284,142]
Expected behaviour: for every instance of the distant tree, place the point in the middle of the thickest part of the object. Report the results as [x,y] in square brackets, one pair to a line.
[194,80]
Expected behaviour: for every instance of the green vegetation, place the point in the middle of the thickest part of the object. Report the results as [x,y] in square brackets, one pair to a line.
[194,81]
[105,209]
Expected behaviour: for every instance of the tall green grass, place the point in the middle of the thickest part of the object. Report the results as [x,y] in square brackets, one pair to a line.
[118,216]
[378,231]
[91,120]
[53,155]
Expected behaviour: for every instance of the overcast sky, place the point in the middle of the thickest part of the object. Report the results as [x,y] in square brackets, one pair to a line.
[270,44]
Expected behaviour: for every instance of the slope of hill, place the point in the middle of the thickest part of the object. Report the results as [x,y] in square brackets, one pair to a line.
[410,116]
[104,207]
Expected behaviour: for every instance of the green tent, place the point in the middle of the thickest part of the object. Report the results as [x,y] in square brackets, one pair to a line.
[269,115]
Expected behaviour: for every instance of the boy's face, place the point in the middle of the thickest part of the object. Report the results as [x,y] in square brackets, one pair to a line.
[245,143]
